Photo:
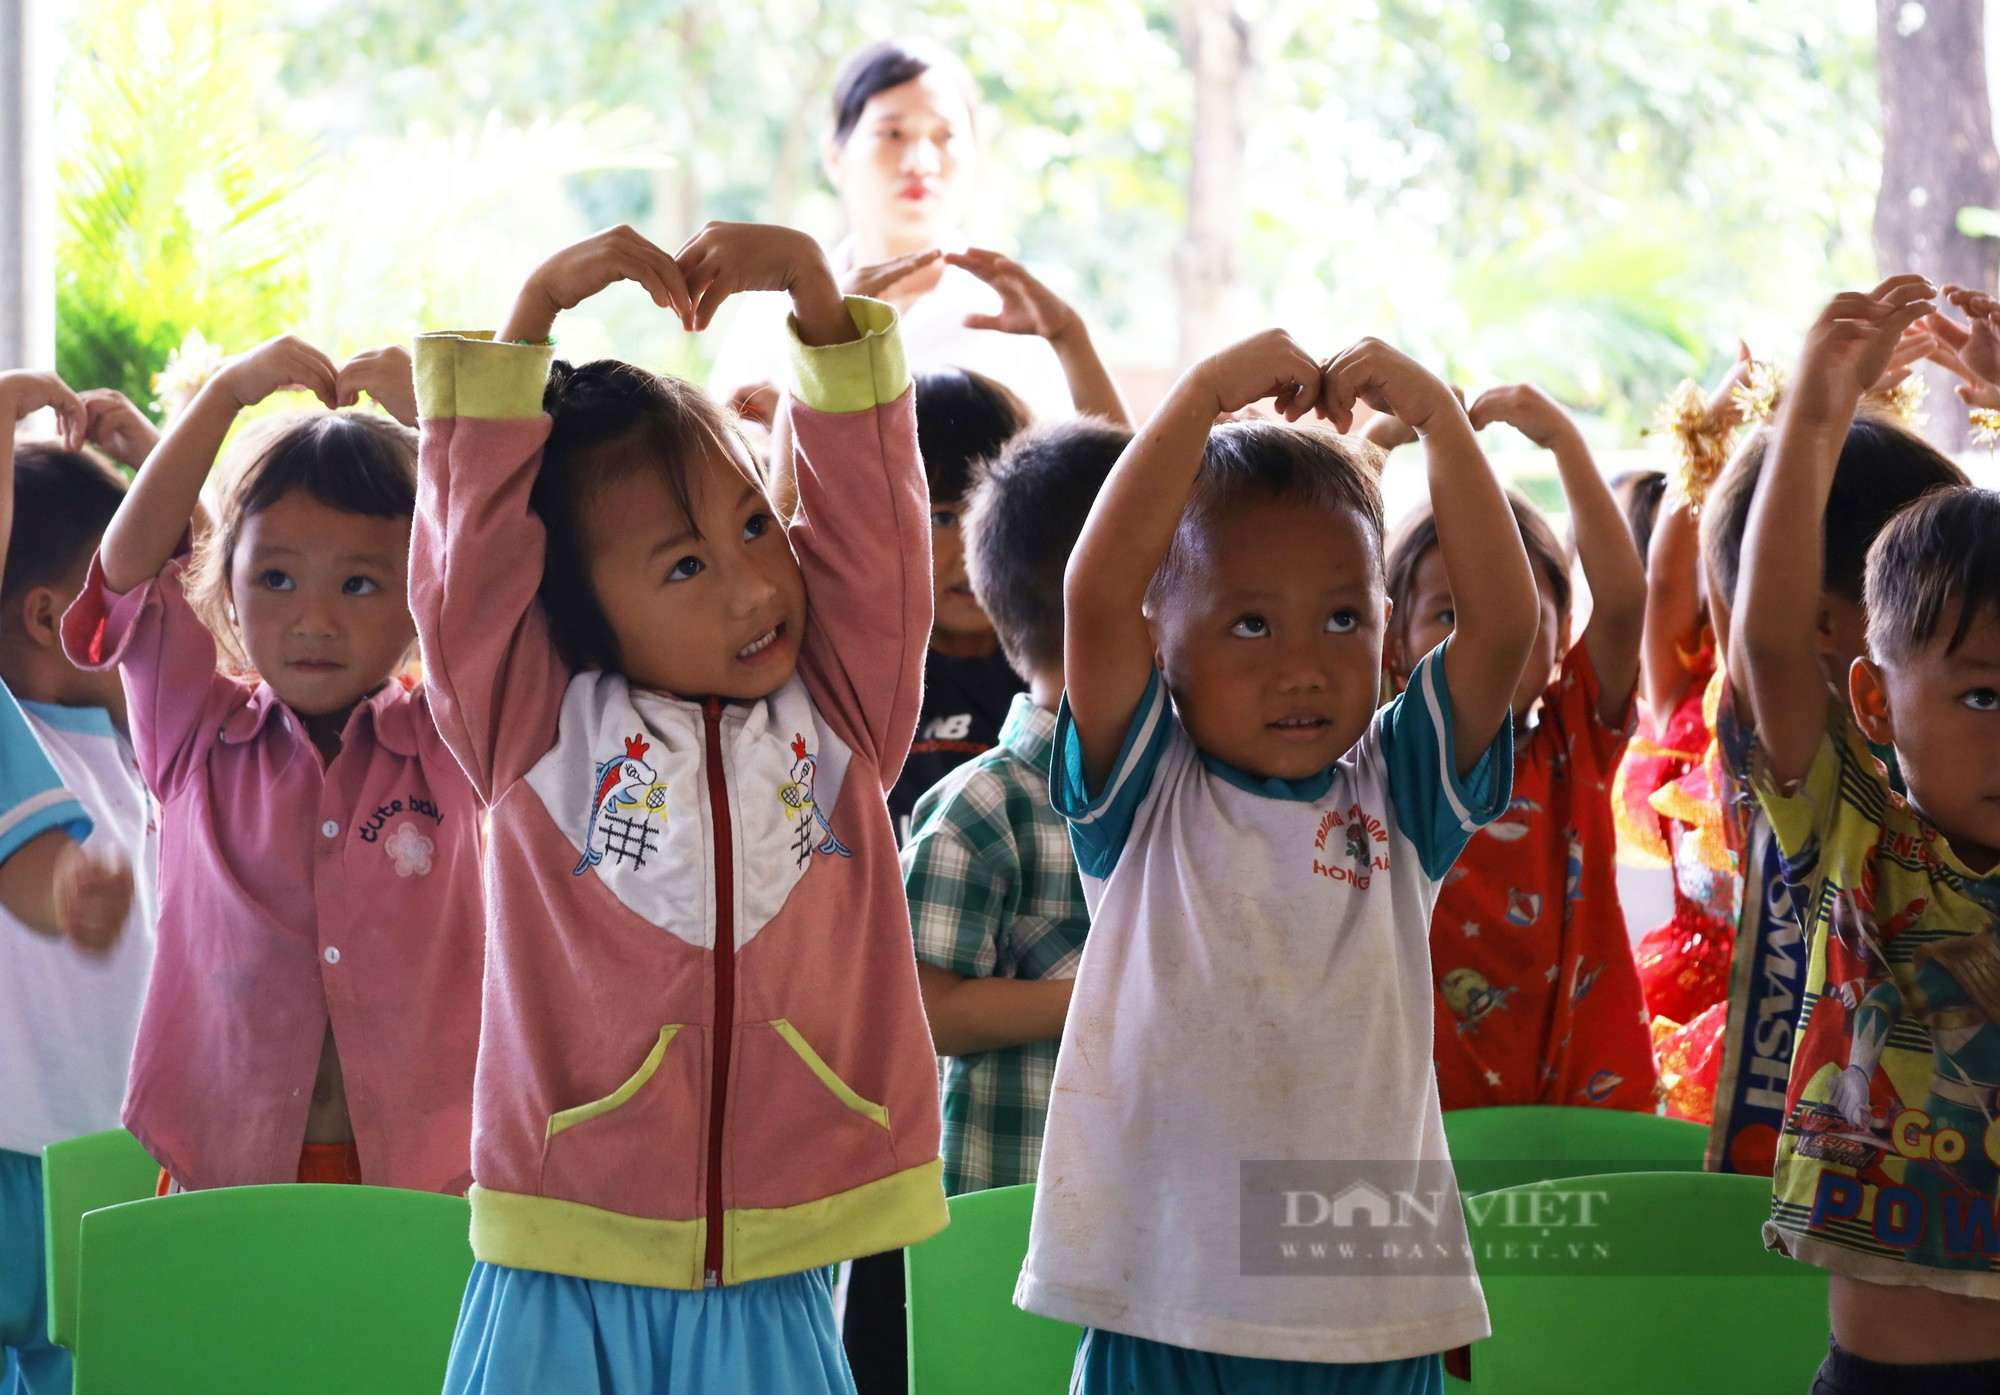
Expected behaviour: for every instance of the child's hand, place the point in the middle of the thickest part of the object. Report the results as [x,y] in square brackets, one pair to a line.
[1971,351]
[93,892]
[1528,410]
[582,269]
[876,280]
[1849,347]
[385,375]
[1389,381]
[118,428]
[1916,345]
[274,366]
[1270,365]
[26,390]
[1723,408]
[1026,305]
[725,258]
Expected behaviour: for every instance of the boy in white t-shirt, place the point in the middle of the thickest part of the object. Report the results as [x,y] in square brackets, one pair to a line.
[1260,849]
[77,851]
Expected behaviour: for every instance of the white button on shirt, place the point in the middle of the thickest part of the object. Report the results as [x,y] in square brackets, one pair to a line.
[330,829]
[331,955]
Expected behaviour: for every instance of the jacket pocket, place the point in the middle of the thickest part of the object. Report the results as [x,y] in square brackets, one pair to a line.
[799,1131]
[636,1150]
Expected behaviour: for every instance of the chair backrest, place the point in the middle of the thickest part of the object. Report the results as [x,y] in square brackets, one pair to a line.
[312,1290]
[79,1175]
[966,1335]
[1641,1282]
[1512,1145]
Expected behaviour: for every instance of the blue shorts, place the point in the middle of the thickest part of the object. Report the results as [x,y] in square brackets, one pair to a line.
[524,1332]
[29,1363]
[1111,1363]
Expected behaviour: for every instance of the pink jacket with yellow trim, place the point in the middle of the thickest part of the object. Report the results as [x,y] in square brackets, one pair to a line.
[656,1102]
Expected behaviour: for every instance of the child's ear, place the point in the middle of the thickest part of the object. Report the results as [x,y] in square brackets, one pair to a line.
[829,162]
[1870,698]
[41,616]
[1565,629]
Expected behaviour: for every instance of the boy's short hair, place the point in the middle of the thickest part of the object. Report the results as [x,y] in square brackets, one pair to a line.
[1941,551]
[63,502]
[1883,469]
[1024,513]
[1272,460]
[1418,535]
[963,418]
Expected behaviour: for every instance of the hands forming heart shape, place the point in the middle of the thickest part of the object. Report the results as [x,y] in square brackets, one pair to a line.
[288,362]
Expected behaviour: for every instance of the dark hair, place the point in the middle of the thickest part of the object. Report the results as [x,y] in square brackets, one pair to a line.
[1418,535]
[890,63]
[1639,492]
[1940,551]
[962,419]
[610,421]
[1024,513]
[1883,469]
[356,462]
[1270,460]
[63,502]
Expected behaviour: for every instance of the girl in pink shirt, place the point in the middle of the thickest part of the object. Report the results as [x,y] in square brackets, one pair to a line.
[313,1012]
[704,1070]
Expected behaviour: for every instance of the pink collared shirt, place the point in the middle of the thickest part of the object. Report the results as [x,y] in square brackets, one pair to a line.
[294,893]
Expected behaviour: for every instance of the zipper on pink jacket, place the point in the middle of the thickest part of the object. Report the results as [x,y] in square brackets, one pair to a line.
[725,981]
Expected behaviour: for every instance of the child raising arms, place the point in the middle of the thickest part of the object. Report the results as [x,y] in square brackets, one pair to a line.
[1260,848]
[704,1073]
[1538,997]
[1888,1161]
[313,1009]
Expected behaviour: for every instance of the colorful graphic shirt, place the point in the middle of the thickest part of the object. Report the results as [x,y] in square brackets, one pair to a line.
[994,893]
[966,702]
[1890,1156]
[1257,989]
[1538,1000]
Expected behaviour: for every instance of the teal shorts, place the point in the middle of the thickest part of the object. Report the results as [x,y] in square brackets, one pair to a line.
[523,1332]
[1111,1363]
[29,1363]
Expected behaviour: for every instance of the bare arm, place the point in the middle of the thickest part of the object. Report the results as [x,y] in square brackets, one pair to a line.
[1107,649]
[971,1015]
[1774,646]
[148,525]
[55,887]
[1673,608]
[21,392]
[1477,536]
[1029,307]
[1603,541]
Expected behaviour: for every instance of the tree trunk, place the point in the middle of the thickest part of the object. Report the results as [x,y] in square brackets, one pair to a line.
[1937,157]
[1215,44]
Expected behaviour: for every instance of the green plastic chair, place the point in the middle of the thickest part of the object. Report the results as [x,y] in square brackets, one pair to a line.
[1674,1290]
[1513,1145]
[311,1290]
[79,1175]
[966,1335]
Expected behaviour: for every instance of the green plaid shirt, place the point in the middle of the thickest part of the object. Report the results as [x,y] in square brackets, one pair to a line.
[994,893]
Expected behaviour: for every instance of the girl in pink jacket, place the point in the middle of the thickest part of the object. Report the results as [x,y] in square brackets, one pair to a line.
[704,1072]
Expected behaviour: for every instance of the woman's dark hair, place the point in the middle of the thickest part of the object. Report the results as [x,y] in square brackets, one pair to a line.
[1883,469]
[1940,552]
[1639,492]
[891,63]
[1259,460]
[963,418]
[1418,535]
[63,502]
[609,421]
[355,462]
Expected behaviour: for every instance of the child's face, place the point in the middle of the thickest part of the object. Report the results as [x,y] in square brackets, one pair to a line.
[1942,713]
[958,611]
[715,615]
[321,601]
[1272,645]
[1428,620]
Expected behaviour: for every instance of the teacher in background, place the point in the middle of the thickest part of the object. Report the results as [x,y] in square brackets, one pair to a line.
[904,157]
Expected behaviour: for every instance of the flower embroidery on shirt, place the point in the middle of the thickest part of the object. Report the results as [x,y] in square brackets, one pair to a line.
[409,850]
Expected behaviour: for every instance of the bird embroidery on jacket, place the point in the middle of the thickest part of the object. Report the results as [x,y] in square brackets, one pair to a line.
[799,802]
[621,783]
